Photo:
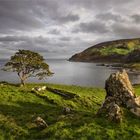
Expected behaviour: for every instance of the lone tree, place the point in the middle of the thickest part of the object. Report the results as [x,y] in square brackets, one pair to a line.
[28,64]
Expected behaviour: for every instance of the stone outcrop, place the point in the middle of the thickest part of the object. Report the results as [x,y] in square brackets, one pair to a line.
[119,93]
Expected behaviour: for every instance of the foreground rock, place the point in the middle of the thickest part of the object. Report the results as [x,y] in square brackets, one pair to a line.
[120,93]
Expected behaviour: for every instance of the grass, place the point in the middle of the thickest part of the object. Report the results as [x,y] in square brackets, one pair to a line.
[133,66]
[113,50]
[19,107]
[120,49]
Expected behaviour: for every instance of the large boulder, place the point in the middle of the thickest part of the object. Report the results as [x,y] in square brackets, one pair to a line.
[120,93]
[119,86]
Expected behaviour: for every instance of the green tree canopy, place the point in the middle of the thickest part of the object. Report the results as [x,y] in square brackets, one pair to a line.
[28,64]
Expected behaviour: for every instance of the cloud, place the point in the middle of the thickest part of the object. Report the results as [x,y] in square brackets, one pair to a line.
[126,31]
[13,38]
[92,27]
[52,27]
[54,31]
[67,18]
[109,16]
[65,38]
[136,18]
[18,15]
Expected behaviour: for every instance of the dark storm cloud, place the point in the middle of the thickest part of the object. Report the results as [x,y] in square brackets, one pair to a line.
[136,18]
[68,26]
[92,27]
[68,18]
[125,31]
[101,5]
[13,38]
[65,38]
[54,31]
[18,15]
[40,44]
[109,16]
[30,15]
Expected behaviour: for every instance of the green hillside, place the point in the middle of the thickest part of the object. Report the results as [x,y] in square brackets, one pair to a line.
[112,51]
[19,107]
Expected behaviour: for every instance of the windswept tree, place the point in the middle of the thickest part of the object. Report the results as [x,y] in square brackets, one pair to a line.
[28,64]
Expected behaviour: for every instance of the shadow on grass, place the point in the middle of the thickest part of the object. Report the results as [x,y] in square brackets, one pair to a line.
[26,112]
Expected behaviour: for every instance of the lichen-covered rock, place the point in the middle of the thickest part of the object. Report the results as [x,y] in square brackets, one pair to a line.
[40,123]
[38,89]
[114,113]
[111,110]
[132,103]
[66,110]
[136,111]
[120,93]
[119,86]
[137,101]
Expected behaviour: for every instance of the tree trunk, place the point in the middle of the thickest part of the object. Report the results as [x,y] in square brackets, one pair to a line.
[22,82]
[22,79]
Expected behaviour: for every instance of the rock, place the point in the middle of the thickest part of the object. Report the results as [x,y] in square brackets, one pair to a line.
[114,113]
[137,101]
[119,86]
[43,88]
[136,111]
[66,110]
[39,88]
[40,122]
[111,110]
[120,93]
[132,103]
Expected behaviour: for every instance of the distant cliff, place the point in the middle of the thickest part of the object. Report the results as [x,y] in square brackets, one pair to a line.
[125,50]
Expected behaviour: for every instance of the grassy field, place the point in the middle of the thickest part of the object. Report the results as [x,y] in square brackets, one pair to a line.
[19,107]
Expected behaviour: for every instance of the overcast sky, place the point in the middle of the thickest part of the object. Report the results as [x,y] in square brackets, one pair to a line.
[61,28]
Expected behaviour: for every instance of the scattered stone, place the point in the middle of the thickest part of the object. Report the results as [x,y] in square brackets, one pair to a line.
[40,122]
[66,110]
[120,93]
[43,88]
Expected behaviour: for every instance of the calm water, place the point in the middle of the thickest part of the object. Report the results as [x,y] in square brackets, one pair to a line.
[72,73]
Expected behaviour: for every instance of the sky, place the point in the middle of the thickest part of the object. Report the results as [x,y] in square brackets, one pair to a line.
[61,28]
